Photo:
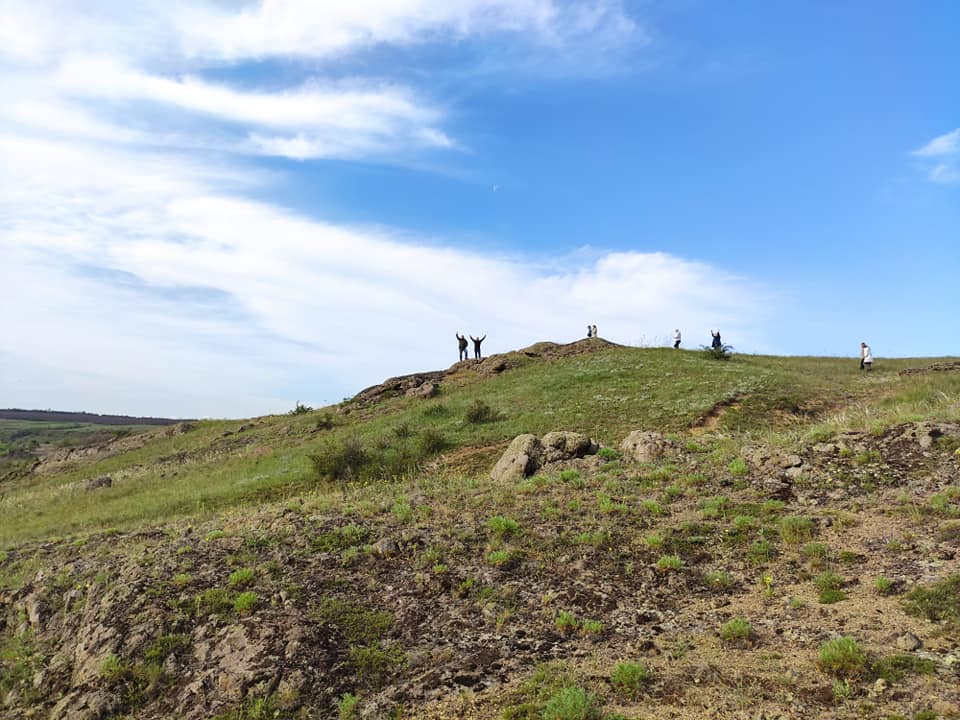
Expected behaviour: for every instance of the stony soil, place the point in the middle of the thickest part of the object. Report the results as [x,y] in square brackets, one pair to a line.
[400,597]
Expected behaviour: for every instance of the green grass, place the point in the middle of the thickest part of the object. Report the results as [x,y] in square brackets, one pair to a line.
[843,658]
[604,394]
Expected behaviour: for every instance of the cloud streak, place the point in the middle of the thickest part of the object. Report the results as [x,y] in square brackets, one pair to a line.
[260,306]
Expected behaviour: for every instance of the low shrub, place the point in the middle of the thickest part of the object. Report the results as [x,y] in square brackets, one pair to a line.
[737,631]
[629,678]
[937,602]
[478,412]
[842,657]
[571,703]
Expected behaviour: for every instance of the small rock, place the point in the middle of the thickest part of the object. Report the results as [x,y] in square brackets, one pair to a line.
[519,460]
[386,548]
[908,641]
[646,447]
[104,481]
[880,686]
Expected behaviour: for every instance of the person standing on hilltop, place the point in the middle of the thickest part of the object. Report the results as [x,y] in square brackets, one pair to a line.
[589,331]
[716,344]
[676,339]
[476,345]
[594,328]
[866,357]
[463,347]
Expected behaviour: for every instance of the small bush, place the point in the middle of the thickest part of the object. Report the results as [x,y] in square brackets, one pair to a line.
[300,409]
[718,579]
[347,707]
[670,563]
[760,552]
[569,475]
[629,678]
[937,602]
[113,668]
[828,581]
[500,558]
[436,409]
[571,703]
[245,602]
[500,525]
[608,453]
[737,631]
[796,529]
[566,622]
[738,467]
[432,441]
[340,538]
[242,577]
[883,585]
[340,462]
[843,658]
[592,627]
[815,552]
[478,412]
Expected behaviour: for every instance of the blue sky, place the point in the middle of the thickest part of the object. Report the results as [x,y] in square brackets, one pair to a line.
[218,209]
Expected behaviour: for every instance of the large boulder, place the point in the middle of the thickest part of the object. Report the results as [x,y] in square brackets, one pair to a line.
[564,445]
[528,453]
[519,460]
[647,447]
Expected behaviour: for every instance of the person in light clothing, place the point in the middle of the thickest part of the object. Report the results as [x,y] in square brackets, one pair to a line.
[676,339]
[866,357]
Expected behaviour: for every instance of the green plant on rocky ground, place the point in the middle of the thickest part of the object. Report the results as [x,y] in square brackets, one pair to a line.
[347,707]
[937,602]
[718,579]
[843,658]
[796,529]
[571,703]
[245,602]
[500,525]
[829,584]
[566,622]
[736,631]
[242,577]
[630,678]
[669,563]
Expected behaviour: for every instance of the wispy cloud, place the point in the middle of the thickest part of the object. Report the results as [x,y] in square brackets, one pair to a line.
[290,28]
[149,270]
[946,144]
[945,151]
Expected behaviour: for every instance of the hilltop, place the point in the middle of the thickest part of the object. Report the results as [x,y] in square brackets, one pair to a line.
[668,536]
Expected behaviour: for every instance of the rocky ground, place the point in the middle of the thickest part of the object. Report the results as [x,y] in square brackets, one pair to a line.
[453,599]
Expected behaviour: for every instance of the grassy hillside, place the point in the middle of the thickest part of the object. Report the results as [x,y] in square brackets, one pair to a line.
[360,558]
[603,394]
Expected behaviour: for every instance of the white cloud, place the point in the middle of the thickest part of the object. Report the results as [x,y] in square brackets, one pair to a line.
[147,269]
[943,148]
[945,174]
[946,144]
[289,27]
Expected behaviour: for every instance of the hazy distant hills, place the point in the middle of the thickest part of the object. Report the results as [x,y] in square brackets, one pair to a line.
[83,417]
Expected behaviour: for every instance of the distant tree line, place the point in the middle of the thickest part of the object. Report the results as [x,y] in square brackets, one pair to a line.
[83,417]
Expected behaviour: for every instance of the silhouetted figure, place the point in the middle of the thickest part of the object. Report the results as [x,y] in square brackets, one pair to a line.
[464,355]
[594,328]
[866,357]
[716,344]
[589,331]
[476,345]
[676,339]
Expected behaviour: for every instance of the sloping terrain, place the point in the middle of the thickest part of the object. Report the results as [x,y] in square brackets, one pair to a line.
[782,541]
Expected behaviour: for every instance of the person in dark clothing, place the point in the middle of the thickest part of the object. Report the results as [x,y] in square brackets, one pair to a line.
[463,347]
[476,345]
[589,331]
[716,344]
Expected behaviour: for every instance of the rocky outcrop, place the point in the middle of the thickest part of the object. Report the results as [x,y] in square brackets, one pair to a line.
[521,459]
[527,453]
[647,447]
